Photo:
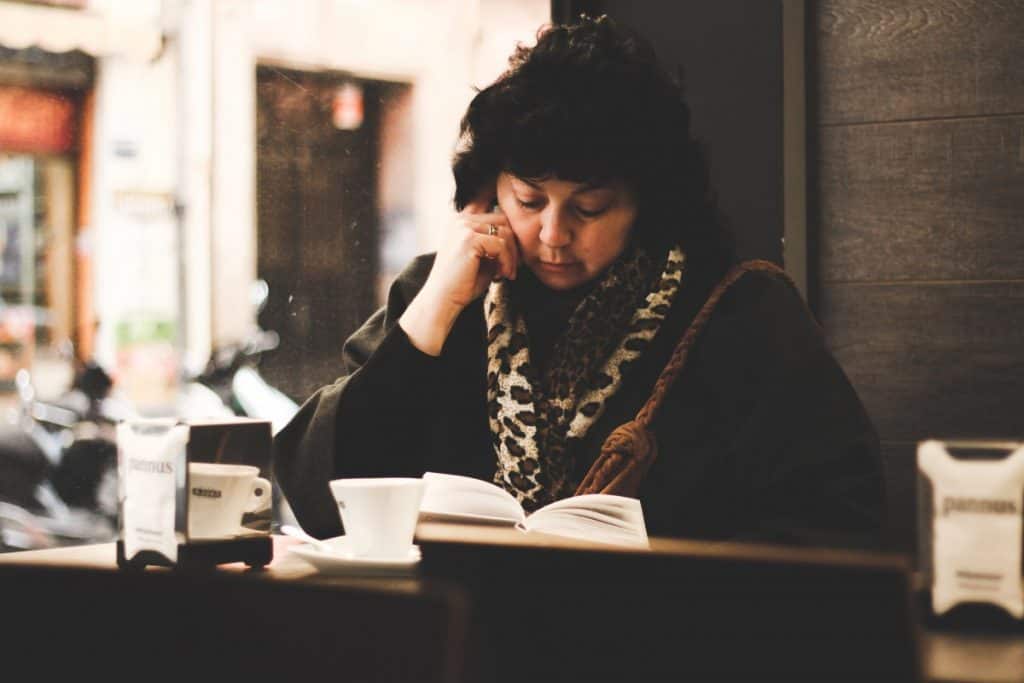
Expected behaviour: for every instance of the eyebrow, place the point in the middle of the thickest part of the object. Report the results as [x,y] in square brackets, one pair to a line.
[585,187]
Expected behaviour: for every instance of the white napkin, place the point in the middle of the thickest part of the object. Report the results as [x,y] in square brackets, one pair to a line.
[150,453]
[976,527]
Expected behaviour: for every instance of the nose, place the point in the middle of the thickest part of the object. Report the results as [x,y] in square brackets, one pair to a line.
[556,228]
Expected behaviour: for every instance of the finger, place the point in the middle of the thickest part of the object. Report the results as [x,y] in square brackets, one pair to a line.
[495,248]
[510,257]
[489,268]
[505,259]
[512,245]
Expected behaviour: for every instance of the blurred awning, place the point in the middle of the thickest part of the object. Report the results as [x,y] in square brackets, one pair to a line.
[63,30]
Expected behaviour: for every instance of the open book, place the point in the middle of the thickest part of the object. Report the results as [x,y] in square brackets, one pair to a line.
[595,517]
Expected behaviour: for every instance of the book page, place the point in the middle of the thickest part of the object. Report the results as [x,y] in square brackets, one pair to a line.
[466,499]
[595,517]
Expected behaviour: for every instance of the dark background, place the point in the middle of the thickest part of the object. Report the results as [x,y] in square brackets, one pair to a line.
[915,194]
[729,53]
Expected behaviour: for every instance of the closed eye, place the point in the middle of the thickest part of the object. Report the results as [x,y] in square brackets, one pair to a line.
[532,205]
[590,213]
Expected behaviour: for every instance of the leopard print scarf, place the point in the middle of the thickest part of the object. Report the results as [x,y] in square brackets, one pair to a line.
[535,422]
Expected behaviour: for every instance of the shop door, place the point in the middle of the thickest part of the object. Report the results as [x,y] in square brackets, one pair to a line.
[318,233]
[39,165]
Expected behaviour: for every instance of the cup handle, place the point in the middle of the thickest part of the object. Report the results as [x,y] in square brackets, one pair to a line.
[260,498]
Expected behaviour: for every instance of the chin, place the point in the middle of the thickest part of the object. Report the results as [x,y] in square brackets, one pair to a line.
[561,281]
[560,286]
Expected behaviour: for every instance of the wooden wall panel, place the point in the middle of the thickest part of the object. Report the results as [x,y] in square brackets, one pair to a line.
[922,201]
[913,59]
[916,208]
[934,360]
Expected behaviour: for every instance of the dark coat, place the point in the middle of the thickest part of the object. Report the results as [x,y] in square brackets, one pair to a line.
[761,438]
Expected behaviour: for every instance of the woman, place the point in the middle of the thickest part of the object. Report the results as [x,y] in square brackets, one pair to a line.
[586,241]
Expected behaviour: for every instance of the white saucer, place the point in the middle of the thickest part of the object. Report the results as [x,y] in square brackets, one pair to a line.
[339,563]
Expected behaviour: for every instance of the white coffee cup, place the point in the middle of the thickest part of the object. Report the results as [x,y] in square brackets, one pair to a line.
[379,514]
[218,496]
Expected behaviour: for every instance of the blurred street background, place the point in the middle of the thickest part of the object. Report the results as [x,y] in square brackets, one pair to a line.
[192,190]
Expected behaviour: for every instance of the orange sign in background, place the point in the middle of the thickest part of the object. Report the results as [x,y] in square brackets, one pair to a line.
[36,121]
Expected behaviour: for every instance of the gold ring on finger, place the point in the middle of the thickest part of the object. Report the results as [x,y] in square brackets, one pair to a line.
[492,229]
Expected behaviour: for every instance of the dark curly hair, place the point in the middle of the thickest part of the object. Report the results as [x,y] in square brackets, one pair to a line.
[589,103]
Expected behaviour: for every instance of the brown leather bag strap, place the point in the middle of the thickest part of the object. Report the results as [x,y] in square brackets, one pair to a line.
[677,362]
[629,450]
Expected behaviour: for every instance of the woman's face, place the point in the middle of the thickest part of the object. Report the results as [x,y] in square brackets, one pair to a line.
[568,232]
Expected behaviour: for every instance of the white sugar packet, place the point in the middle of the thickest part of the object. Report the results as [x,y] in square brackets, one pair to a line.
[973,536]
[151,470]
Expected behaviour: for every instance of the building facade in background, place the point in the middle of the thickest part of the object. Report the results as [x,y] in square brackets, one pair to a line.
[157,158]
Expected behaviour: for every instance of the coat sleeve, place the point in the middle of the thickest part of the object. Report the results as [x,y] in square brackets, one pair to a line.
[368,421]
[805,452]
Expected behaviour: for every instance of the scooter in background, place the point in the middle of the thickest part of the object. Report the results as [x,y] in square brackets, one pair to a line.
[59,465]
[58,459]
[232,374]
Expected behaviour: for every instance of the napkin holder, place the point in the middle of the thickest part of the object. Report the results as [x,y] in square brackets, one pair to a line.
[154,492]
[970,523]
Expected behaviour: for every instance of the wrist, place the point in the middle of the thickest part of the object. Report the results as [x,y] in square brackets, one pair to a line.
[427,321]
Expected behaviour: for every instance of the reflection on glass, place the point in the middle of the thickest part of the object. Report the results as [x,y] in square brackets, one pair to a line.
[334,184]
[198,207]
[35,269]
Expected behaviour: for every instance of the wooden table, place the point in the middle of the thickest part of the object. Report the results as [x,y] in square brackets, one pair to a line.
[680,610]
[70,611]
[299,603]
[981,647]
